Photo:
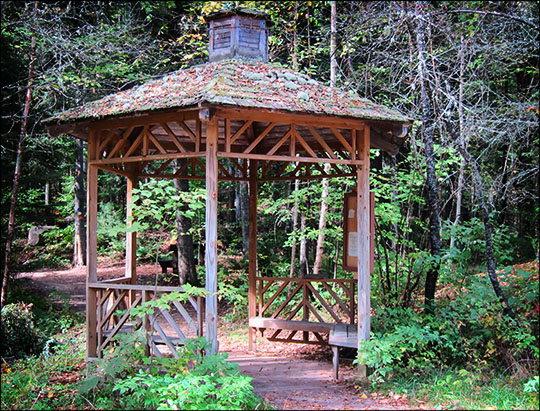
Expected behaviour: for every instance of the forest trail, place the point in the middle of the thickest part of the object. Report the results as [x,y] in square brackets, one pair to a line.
[288,376]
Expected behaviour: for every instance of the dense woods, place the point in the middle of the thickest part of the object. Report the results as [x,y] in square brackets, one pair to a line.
[460,198]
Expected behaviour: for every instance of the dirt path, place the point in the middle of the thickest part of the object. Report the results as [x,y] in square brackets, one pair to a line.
[288,376]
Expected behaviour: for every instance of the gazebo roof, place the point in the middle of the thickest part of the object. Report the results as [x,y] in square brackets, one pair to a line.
[234,83]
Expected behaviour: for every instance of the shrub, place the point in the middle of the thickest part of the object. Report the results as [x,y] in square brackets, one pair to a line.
[469,330]
[19,335]
[126,378]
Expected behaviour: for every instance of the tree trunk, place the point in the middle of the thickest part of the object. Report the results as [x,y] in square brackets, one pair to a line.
[17,173]
[303,266]
[186,259]
[294,54]
[319,248]
[322,224]
[431,177]
[46,197]
[461,174]
[79,243]
[488,230]
[333,61]
[242,213]
[294,228]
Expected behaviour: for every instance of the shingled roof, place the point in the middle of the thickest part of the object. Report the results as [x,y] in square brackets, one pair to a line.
[236,83]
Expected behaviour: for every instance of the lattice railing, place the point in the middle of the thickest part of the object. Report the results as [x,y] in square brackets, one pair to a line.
[167,329]
[300,309]
[308,299]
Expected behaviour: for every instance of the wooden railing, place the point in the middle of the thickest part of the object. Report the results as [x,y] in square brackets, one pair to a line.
[321,300]
[165,327]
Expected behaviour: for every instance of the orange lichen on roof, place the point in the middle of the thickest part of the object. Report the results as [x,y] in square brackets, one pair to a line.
[233,82]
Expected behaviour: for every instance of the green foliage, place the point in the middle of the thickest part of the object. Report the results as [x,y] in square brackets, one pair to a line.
[111,229]
[531,387]
[46,381]
[467,330]
[233,289]
[127,378]
[20,337]
[213,383]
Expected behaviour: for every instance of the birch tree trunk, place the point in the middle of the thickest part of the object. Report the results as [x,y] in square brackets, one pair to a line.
[322,224]
[294,228]
[461,172]
[17,173]
[319,249]
[303,266]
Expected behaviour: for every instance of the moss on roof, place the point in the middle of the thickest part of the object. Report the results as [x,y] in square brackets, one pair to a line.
[233,82]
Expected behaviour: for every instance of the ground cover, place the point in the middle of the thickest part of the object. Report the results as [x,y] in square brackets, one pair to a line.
[52,379]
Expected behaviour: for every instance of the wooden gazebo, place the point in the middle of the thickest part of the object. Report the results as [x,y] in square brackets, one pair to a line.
[269,122]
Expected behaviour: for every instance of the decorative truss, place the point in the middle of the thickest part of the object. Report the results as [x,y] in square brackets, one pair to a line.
[173,145]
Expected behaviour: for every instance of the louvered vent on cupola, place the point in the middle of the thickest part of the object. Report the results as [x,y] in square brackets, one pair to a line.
[238,33]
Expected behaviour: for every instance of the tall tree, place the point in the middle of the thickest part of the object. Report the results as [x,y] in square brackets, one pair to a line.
[319,248]
[18,163]
[420,17]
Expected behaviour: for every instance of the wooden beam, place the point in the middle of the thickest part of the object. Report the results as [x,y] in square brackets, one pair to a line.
[240,131]
[265,115]
[131,237]
[91,244]
[119,143]
[112,170]
[342,139]
[146,119]
[173,137]
[211,231]
[252,297]
[135,159]
[363,242]
[307,177]
[287,158]
[259,138]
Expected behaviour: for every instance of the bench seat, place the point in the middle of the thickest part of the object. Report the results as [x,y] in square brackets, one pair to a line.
[293,325]
[340,335]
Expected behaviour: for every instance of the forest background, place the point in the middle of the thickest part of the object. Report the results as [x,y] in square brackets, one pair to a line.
[460,198]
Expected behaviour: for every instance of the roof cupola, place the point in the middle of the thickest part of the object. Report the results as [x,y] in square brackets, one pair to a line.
[238,33]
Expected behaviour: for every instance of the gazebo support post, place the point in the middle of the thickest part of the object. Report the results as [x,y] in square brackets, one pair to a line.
[211,231]
[91,257]
[252,298]
[363,218]
[131,237]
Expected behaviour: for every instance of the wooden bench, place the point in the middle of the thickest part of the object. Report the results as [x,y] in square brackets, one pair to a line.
[339,335]
[342,335]
[293,325]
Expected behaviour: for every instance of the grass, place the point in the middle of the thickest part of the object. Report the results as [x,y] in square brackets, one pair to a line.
[460,389]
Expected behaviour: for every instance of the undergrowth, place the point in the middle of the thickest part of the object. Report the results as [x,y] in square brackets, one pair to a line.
[465,353]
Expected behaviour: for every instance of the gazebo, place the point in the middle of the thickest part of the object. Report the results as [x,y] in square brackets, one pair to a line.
[271,124]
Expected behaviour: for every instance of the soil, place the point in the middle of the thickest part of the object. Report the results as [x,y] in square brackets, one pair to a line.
[287,376]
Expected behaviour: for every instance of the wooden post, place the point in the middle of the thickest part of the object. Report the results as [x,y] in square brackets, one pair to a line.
[252,298]
[363,246]
[131,237]
[211,231]
[91,252]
